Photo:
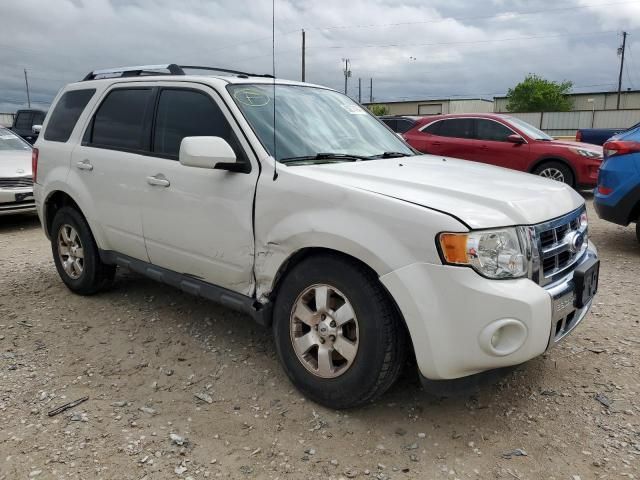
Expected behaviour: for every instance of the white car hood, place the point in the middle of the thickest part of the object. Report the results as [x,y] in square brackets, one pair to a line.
[15,163]
[482,196]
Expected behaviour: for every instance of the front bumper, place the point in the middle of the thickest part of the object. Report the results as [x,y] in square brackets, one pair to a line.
[454,317]
[16,200]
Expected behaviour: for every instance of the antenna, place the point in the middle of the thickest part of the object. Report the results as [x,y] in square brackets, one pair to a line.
[273,67]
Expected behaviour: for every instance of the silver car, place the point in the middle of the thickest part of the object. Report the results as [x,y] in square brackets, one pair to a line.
[16,183]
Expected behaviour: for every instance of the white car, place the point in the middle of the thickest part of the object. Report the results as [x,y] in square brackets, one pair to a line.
[323,225]
[16,186]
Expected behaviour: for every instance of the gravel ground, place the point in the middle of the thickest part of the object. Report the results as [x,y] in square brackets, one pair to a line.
[181,388]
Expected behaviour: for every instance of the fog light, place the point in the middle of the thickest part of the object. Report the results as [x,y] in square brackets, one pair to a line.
[503,337]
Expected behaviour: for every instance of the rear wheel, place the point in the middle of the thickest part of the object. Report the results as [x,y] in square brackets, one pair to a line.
[338,336]
[638,230]
[76,256]
[555,171]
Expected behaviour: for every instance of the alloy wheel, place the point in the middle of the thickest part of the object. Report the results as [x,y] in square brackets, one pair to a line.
[70,251]
[553,174]
[324,331]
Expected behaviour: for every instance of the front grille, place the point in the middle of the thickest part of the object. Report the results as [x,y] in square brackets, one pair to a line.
[555,245]
[16,182]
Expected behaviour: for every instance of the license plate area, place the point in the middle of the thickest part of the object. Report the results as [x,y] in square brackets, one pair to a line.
[585,279]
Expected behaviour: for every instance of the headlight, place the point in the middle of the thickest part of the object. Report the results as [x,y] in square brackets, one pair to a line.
[492,253]
[586,153]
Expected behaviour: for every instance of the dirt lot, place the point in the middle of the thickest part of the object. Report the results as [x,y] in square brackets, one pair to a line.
[143,351]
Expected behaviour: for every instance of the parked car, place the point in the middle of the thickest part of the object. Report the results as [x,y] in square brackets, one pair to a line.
[16,186]
[27,124]
[320,223]
[400,123]
[509,142]
[617,197]
[598,136]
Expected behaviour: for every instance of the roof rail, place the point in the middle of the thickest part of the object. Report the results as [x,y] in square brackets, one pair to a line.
[171,69]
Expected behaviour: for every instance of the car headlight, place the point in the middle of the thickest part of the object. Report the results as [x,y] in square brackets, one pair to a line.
[492,253]
[586,153]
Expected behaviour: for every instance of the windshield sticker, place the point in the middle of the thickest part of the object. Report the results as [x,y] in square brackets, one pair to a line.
[353,109]
[251,97]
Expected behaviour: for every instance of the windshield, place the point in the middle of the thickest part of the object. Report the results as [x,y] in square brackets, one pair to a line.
[528,129]
[312,122]
[10,141]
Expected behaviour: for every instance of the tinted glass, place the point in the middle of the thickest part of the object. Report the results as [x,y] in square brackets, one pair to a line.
[404,126]
[392,123]
[66,114]
[120,122]
[23,120]
[433,129]
[494,131]
[38,118]
[457,127]
[185,113]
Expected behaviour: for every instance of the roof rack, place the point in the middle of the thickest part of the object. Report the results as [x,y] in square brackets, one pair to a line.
[171,69]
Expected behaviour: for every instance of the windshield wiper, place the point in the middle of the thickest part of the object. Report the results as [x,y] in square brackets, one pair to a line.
[347,157]
[390,155]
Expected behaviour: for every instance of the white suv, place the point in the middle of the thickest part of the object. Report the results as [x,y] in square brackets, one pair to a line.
[290,202]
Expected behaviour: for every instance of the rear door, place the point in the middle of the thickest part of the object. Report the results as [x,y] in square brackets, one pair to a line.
[200,221]
[495,148]
[111,165]
[453,137]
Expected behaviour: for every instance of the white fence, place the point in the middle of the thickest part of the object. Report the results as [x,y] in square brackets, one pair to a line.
[6,119]
[566,123]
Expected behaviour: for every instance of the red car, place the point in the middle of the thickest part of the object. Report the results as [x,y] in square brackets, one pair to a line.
[507,142]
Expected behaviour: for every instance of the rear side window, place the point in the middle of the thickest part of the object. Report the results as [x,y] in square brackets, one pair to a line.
[492,131]
[23,120]
[433,129]
[404,126]
[188,113]
[457,128]
[392,123]
[123,120]
[66,114]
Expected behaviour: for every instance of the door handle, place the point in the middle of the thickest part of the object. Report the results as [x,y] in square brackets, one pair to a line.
[436,144]
[84,165]
[158,180]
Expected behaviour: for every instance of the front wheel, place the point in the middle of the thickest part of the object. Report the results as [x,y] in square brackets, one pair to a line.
[75,254]
[338,336]
[555,171]
[638,230]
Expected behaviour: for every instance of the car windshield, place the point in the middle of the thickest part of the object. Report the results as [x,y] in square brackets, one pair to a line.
[314,125]
[528,129]
[10,141]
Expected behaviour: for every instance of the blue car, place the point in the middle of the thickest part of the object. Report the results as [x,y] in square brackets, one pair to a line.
[617,196]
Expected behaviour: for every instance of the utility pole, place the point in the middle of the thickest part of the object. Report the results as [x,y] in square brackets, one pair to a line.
[303,54]
[371,90]
[359,90]
[26,82]
[347,73]
[621,53]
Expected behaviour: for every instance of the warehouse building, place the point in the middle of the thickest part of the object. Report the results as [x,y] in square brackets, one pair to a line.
[437,107]
[629,100]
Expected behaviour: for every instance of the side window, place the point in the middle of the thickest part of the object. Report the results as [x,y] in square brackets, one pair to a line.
[122,121]
[404,126]
[66,114]
[23,120]
[188,113]
[457,128]
[434,128]
[492,131]
[392,123]
[38,118]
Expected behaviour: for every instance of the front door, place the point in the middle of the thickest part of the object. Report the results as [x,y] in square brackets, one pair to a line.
[495,148]
[198,221]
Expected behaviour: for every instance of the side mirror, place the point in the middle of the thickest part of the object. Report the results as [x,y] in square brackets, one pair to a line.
[515,138]
[36,129]
[209,152]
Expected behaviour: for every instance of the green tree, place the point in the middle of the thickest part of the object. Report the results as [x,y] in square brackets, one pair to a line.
[536,94]
[379,110]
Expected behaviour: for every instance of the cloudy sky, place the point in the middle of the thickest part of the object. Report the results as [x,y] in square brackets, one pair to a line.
[413,49]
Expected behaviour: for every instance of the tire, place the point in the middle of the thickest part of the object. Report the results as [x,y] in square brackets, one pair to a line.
[71,238]
[375,328]
[555,171]
[638,230]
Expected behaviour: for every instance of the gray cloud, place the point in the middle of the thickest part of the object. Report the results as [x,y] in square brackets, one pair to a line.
[465,48]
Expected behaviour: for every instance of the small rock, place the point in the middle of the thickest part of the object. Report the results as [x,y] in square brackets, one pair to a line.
[310,451]
[351,473]
[147,410]
[178,440]
[603,399]
[518,452]
[180,469]
[246,469]
[118,404]
[334,462]
[413,457]
[413,446]
[34,473]
[401,432]
[422,435]
[205,397]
